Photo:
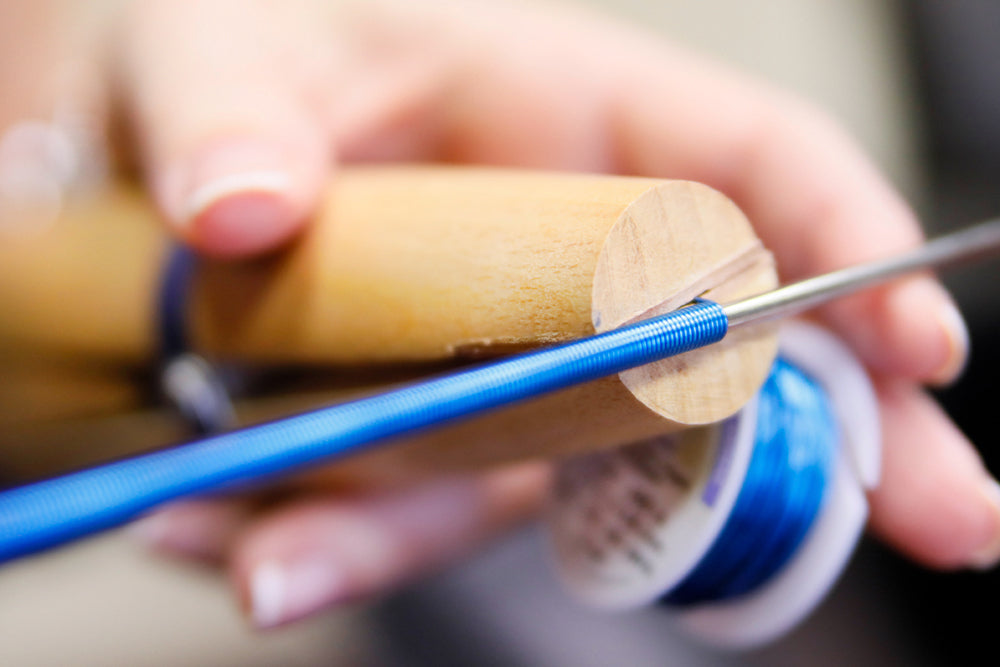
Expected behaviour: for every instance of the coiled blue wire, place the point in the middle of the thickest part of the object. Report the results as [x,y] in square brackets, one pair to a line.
[794,448]
[51,512]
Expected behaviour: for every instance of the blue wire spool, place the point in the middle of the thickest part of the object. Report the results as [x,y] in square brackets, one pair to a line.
[741,527]
[781,495]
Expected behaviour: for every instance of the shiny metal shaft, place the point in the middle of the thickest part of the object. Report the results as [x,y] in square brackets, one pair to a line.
[967,245]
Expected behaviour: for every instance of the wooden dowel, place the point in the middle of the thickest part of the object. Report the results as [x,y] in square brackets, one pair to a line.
[426,263]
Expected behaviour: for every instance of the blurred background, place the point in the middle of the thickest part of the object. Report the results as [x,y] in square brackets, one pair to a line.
[915,82]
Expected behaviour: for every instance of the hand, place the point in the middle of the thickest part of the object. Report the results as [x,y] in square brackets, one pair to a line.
[244,109]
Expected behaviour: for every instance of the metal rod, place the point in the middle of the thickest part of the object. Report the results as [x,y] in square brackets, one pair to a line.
[968,245]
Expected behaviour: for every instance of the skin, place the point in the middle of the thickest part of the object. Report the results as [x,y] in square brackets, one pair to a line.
[236,170]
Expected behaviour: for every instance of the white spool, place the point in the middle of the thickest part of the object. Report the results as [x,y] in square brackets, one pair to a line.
[628,525]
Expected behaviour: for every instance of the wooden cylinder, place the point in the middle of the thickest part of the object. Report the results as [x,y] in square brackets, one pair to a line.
[410,264]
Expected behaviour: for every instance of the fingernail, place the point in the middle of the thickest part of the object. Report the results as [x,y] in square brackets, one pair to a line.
[939,323]
[957,334]
[988,555]
[216,189]
[225,168]
[237,198]
[282,592]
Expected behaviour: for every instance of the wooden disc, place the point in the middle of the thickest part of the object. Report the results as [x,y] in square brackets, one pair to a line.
[678,241]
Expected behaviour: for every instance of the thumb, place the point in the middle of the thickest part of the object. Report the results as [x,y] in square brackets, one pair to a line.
[216,95]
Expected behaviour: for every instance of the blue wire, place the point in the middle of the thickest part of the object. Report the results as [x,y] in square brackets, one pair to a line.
[173,300]
[204,405]
[51,512]
[782,492]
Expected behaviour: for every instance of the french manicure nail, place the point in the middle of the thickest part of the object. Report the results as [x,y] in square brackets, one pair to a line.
[939,323]
[282,592]
[223,170]
[988,555]
[951,322]
[268,591]
[217,189]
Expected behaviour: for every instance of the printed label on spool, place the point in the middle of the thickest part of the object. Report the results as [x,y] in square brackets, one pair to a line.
[616,548]
[630,523]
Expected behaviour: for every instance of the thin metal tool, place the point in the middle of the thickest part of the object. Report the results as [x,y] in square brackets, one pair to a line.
[51,512]
[968,245]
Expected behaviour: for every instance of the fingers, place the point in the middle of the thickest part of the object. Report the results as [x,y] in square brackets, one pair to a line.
[201,530]
[314,551]
[323,551]
[236,168]
[814,199]
[218,94]
[649,109]
[911,329]
[936,501]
